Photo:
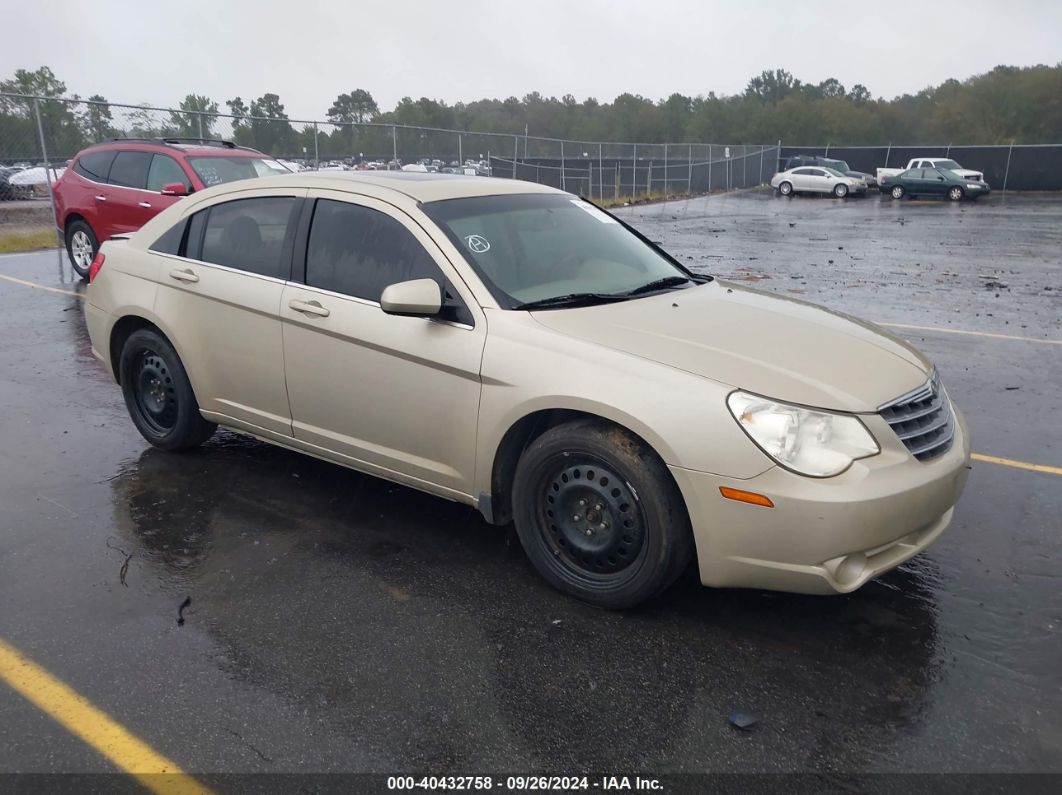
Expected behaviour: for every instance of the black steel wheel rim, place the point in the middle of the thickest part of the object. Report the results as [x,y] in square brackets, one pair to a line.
[591,520]
[154,392]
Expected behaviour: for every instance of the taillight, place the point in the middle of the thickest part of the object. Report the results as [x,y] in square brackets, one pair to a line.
[94,268]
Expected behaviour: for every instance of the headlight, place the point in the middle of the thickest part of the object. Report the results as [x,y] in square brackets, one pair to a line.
[975,185]
[815,443]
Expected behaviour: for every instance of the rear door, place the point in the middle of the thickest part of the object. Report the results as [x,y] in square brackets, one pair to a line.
[220,297]
[398,395]
[127,204]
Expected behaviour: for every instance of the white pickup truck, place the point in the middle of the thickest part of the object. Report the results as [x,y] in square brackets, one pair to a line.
[932,162]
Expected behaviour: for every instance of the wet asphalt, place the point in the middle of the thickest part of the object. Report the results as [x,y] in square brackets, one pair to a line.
[341,623]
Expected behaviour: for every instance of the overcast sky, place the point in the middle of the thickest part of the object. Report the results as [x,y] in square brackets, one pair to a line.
[460,50]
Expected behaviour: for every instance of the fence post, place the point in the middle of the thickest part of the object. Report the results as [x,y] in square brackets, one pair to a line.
[590,178]
[516,152]
[634,173]
[778,165]
[827,149]
[948,152]
[761,165]
[316,152]
[460,154]
[600,174]
[394,144]
[689,179]
[1005,173]
[887,153]
[199,116]
[47,167]
[649,181]
[665,171]
[744,165]
[562,166]
[616,180]
[709,168]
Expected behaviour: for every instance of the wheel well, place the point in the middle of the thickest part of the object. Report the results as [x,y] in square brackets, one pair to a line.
[70,218]
[120,333]
[514,442]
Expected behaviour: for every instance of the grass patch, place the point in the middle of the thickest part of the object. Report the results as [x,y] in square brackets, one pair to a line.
[35,240]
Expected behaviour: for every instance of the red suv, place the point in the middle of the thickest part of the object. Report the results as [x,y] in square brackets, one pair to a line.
[117,187]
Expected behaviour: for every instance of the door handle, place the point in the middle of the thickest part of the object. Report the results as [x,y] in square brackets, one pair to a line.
[100,197]
[144,204]
[309,308]
[183,275]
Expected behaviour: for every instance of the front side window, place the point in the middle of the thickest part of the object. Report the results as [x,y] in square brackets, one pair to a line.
[130,169]
[247,234]
[95,165]
[359,251]
[165,171]
[531,248]
[217,169]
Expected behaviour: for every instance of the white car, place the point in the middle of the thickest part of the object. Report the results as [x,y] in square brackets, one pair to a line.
[817,179]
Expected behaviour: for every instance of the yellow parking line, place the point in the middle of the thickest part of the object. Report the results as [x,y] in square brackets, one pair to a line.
[1010,462]
[972,333]
[84,720]
[41,286]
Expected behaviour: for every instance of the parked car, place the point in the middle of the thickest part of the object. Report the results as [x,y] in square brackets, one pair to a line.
[931,162]
[837,165]
[534,357]
[941,182]
[809,179]
[9,191]
[117,187]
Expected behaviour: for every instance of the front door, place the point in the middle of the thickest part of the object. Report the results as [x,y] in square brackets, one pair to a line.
[398,396]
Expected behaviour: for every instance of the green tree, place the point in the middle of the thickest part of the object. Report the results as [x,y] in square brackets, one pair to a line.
[270,127]
[195,117]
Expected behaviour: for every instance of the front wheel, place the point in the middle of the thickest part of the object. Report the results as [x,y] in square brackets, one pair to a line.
[897,192]
[81,247]
[786,188]
[159,395]
[599,516]
[840,190]
[955,193]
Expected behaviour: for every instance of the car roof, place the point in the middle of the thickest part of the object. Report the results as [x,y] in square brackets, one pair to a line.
[161,145]
[417,185]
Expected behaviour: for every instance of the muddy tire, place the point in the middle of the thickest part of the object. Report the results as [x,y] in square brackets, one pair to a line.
[599,515]
[159,395]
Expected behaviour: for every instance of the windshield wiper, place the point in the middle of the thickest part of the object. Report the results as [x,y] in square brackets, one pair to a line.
[660,284]
[572,299]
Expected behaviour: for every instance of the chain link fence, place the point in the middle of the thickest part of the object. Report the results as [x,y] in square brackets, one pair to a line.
[39,136]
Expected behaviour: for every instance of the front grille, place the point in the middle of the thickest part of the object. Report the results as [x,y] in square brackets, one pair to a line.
[922,420]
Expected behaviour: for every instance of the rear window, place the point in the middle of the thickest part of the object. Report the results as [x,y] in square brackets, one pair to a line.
[249,234]
[95,165]
[216,170]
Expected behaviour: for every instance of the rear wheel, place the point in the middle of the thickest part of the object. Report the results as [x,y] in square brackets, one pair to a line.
[786,188]
[897,191]
[840,190]
[956,193]
[81,247]
[159,395]
[599,515]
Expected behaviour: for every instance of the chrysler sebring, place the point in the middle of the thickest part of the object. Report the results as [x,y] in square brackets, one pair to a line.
[513,347]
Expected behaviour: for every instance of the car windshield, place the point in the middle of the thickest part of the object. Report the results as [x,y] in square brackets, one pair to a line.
[214,170]
[553,250]
[948,164]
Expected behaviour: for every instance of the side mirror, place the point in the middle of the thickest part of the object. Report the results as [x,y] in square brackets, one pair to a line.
[174,189]
[419,298]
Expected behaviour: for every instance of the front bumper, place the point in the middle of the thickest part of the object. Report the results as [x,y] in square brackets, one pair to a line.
[825,535]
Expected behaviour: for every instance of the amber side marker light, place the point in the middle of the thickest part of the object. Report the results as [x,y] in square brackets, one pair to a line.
[751,497]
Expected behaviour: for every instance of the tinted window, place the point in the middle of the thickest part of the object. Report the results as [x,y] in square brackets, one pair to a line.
[130,169]
[94,165]
[817,172]
[357,251]
[165,170]
[249,234]
[804,172]
[170,242]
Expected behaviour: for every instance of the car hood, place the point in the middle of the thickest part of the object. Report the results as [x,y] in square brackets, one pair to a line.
[774,346]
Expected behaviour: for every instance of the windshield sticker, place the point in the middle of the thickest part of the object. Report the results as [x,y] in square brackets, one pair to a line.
[477,244]
[586,207]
